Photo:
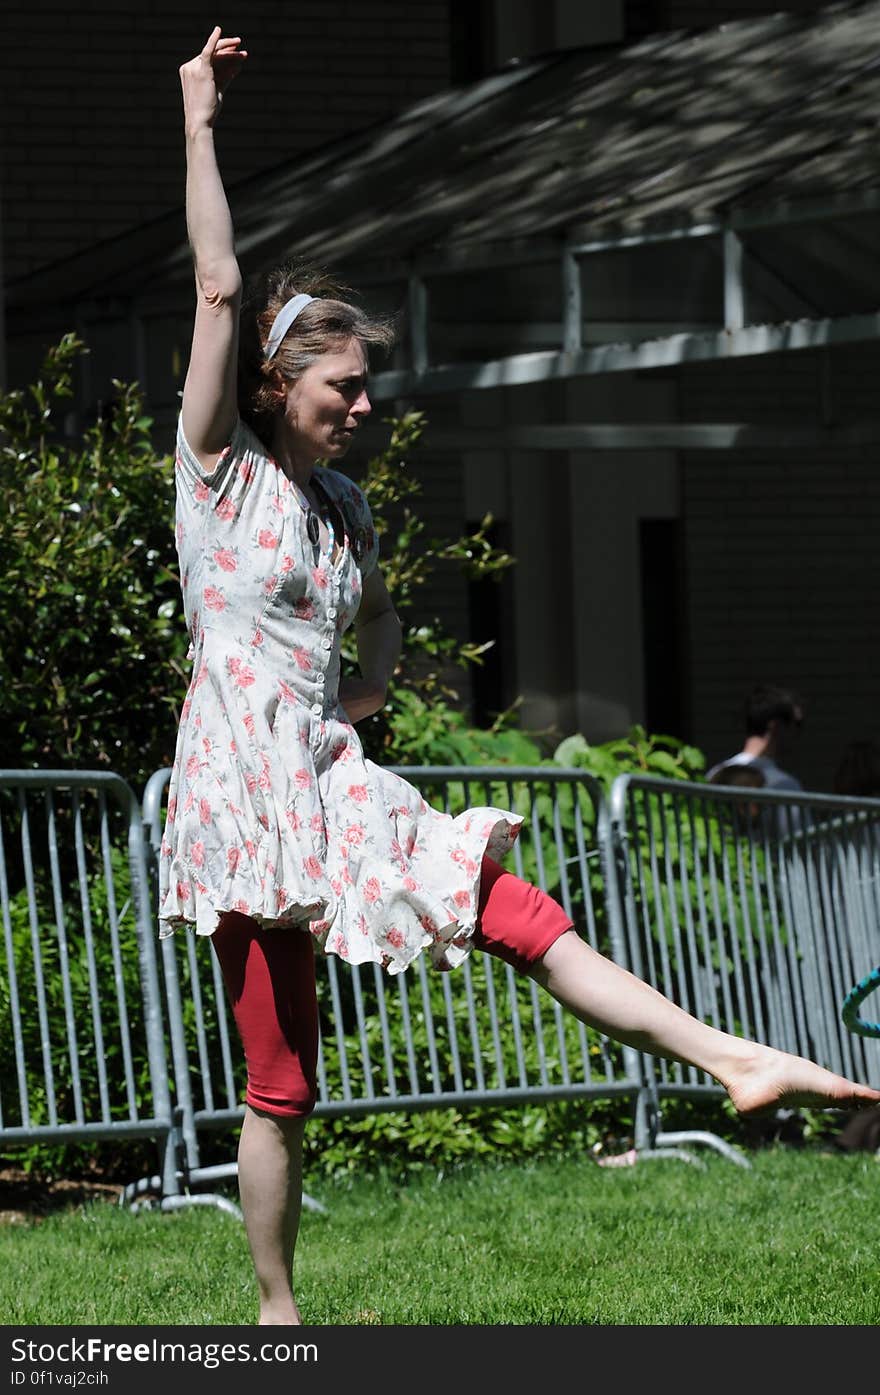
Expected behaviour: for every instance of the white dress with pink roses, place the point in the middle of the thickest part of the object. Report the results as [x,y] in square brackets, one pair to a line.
[273,808]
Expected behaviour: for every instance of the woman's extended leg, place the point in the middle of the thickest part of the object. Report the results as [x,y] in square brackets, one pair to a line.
[270,979]
[528,929]
[757,1078]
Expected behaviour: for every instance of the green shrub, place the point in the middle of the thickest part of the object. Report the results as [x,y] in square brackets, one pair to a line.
[92,654]
[429,731]
[637,753]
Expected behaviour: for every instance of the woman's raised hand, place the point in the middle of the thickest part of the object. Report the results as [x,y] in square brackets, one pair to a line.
[206,77]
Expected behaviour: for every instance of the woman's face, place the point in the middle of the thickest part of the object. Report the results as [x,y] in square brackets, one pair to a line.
[327,404]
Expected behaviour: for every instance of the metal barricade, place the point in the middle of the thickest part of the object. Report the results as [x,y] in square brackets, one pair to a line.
[754,910]
[481,1035]
[80,1000]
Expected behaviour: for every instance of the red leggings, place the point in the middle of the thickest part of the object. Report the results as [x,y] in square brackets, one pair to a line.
[270,979]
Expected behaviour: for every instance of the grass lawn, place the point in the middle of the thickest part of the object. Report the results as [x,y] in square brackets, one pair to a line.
[561,1242]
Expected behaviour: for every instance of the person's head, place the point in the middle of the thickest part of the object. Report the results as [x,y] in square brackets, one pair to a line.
[309,368]
[767,705]
[743,816]
[858,773]
[748,776]
[772,714]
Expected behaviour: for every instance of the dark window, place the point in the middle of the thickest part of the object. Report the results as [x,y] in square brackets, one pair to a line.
[662,625]
[490,608]
[469,40]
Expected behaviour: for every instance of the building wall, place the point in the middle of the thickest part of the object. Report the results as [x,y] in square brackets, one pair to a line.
[610,492]
[520,28]
[91,129]
[92,138]
[647,16]
[779,552]
[783,570]
[572,647]
[780,570]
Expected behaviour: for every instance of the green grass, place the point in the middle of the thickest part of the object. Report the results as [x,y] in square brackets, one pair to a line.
[792,1242]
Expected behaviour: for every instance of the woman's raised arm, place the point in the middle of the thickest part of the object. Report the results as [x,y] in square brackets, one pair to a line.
[209,393]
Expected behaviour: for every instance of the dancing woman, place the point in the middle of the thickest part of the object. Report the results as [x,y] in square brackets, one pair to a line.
[281,837]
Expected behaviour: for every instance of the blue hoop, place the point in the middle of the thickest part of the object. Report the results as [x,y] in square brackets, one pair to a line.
[853,1001]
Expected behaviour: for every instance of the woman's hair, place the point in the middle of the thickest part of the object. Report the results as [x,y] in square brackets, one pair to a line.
[325,325]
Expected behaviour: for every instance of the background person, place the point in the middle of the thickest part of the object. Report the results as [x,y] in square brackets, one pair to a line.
[748,776]
[280,835]
[773,716]
[746,817]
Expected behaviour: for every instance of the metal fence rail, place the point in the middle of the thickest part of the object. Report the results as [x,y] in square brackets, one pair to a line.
[423,1039]
[756,911]
[80,1001]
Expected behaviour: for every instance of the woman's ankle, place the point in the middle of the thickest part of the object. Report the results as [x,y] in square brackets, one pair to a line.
[280,1314]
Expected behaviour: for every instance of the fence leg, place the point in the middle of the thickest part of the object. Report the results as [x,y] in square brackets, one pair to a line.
[651,1142]
[218,1170]
[710,1140]
[647,1113]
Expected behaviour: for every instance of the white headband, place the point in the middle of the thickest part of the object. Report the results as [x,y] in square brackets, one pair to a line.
[283,320]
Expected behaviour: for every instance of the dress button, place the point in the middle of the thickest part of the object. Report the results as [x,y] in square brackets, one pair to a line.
[320,678]
[327,643]
[316,709]
[332,612]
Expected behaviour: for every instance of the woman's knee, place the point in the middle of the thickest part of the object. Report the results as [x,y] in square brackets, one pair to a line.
[289,1097]
[517,922]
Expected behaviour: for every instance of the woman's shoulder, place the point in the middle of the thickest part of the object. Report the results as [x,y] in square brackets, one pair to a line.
[358,518]
[343,489]
[243,447]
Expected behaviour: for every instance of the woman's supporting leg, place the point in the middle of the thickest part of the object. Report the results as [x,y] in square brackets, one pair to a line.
[611,999]
[270,979]
[270,1187]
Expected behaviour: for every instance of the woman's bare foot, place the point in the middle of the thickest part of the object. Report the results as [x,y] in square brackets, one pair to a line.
[280,1315]
[774,1079]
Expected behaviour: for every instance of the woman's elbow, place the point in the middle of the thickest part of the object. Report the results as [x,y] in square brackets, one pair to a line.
[219,285]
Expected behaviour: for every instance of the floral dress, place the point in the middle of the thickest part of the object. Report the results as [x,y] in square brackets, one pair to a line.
[273,809]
